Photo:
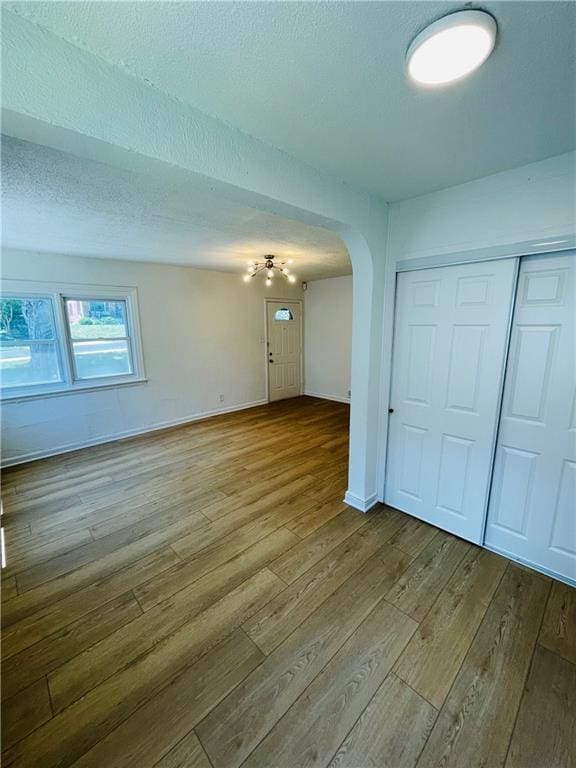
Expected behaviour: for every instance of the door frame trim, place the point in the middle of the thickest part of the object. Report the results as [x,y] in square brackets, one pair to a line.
[529,564]
[501,385]
[270,300]
[553,244]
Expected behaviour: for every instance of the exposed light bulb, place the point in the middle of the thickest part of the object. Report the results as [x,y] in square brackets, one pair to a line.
[246,278]
[291,278]
[251,263]
[286,271]
[268,282]
[290,261]
[251,268]
[270,274]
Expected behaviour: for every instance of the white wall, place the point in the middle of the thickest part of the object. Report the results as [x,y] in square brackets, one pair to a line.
[527,203]
[202,334]
[488,217]
[328,337]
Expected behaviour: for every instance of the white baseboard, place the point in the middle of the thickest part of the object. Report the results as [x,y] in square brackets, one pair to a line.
[529,564]
[322,396]
[358,503]
[68,448]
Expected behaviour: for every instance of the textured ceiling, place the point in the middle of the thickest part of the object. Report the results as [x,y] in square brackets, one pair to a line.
[325,81]
[56,202]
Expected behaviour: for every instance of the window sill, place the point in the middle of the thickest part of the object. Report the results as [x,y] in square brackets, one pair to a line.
[41,395]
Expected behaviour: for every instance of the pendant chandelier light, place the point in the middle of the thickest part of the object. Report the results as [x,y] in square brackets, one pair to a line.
[270,268]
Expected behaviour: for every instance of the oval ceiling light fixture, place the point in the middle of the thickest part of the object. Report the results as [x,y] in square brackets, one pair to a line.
[451,48]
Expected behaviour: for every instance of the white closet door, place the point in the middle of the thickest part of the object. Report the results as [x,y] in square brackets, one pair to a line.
[532,513]
[450,341]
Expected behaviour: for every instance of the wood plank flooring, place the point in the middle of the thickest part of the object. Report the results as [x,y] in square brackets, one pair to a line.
[201,597]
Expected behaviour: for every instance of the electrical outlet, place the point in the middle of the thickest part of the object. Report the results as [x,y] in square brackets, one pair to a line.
[221,398]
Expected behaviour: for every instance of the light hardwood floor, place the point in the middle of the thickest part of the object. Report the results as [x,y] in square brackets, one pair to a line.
[201,597]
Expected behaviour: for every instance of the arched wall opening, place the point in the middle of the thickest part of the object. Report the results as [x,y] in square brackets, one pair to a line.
[362,467]
[123,121]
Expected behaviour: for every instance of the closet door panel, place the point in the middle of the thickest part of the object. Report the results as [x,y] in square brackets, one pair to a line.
[449,346]
[532,513]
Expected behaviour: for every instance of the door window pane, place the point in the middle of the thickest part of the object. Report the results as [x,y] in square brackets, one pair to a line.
[95,359]
[283,314]
[28,351]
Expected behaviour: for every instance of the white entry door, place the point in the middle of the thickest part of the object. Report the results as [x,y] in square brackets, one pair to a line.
[532,512]
[450,341]
[284,349]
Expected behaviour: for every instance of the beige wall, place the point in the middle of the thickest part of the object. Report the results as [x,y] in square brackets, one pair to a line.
[328,337]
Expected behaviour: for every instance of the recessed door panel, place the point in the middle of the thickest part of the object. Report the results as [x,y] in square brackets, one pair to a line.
[468,343]
[564,524]
[532,512]
[425,293]
[546,287]
[450,340]
[531,359]
[411,468]
[474,291]
[419,363]
[453,475]
[513,481]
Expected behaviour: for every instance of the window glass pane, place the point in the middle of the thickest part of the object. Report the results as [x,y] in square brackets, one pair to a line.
[96,319]
[22,318]
[28,354]
[283,314]
[29,363]
[95,359]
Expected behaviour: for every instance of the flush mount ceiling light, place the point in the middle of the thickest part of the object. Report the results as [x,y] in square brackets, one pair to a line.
[451,48]
[268,265]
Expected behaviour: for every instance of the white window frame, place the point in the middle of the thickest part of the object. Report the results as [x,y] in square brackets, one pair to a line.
[58,293]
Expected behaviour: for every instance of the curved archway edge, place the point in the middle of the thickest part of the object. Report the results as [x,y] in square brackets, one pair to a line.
[124,122]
